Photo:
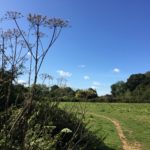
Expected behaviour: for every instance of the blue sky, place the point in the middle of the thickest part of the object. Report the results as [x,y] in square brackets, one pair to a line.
[107,40]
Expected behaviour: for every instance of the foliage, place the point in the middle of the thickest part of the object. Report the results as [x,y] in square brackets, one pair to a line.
[17,94]
[41,91]
[86,94]
[46,127]
[68,94]
[118,88]
[57,92]
[135,89]
[134,80]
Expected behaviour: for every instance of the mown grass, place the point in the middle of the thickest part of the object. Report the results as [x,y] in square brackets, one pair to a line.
[133,118]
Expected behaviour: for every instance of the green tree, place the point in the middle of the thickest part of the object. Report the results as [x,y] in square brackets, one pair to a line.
[80,94]
[134,80]
[91,93]
[61,92]
[118,88]
[136,89]
[86,94]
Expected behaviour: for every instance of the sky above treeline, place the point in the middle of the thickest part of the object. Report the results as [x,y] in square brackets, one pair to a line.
[106,41]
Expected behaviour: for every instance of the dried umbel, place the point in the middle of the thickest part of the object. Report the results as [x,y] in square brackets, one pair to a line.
[57,22]
[40,34]
[37,19]
[13,15]
[43,20]
[6,34]
[16,33]
[38,51]
[11,33]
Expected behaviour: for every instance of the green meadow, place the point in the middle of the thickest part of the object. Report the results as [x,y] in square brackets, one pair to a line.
[134,120]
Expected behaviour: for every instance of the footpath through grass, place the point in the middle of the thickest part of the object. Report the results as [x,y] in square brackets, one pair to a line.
[133,118]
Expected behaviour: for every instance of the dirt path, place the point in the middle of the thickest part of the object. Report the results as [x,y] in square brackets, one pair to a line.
[125,143]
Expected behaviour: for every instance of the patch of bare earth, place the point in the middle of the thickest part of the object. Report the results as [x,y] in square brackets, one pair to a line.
[125,143]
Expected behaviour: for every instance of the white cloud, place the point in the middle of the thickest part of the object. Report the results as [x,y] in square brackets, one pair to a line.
[81,66]
[96,83]
[116,70]
[94,87]
[63,73]
[21,81]
[29,54]
[86,77]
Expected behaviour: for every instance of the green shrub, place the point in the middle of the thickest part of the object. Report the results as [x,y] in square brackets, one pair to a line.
[46,127]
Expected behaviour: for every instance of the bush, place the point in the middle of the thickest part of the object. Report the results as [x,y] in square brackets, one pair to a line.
[46,127]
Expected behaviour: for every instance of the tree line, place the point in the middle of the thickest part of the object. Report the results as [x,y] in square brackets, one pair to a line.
[135,89]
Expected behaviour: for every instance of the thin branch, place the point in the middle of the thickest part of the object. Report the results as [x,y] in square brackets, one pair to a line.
[24,38]
[19,55]
[53,39]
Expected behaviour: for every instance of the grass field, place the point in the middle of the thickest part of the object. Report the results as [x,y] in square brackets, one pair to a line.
[132,119]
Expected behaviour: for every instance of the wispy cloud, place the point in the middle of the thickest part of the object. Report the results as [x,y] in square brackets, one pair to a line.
[96,83]
[86,77]
[82,66]
[116,70]
[94,87]
[63,73]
